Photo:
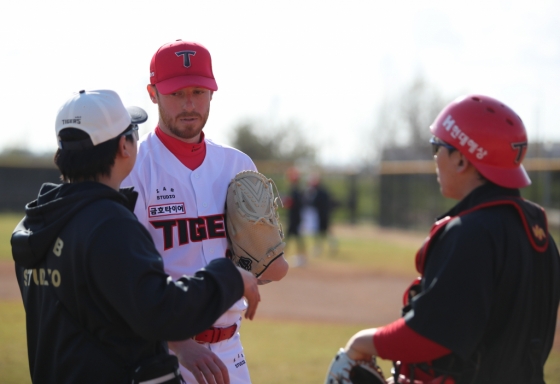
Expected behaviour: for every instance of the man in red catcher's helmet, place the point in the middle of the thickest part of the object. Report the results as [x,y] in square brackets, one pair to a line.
[484,307]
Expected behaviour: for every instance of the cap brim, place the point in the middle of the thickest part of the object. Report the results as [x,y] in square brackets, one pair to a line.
[168,86]
[137,115]
[509,178]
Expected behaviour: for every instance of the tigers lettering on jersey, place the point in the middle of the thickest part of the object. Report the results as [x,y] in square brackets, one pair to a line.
[191,229]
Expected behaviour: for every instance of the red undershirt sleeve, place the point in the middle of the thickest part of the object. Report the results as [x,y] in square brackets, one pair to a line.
[397,342]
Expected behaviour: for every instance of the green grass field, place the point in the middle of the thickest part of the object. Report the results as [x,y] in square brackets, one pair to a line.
[277,352]
[13,351]
[7,224]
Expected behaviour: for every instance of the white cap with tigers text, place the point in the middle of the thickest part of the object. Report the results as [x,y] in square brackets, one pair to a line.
[99,113]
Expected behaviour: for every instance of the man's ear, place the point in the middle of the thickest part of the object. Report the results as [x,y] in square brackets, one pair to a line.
[462,163]
[123,149]
[152,91]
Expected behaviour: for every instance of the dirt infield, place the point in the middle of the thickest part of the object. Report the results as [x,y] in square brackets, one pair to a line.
[8,284]
[319,294]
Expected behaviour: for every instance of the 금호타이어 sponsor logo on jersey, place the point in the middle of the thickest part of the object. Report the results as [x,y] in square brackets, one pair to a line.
[166,209]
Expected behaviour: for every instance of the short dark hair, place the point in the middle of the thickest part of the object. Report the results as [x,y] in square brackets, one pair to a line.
[86,164]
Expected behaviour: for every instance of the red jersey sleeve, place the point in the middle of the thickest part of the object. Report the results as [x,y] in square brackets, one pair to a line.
[396,341]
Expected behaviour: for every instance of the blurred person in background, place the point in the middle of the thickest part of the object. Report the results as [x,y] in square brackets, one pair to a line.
[321,201]
[294,202]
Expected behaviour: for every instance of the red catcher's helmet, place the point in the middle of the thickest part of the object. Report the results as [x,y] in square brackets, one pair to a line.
[489,134]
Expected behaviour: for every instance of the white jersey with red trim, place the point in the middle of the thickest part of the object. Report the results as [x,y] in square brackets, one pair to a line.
[184,209]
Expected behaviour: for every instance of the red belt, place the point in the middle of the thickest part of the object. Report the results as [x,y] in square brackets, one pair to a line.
[214,335]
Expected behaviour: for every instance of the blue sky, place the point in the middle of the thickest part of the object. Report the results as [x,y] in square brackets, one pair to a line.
[327,65]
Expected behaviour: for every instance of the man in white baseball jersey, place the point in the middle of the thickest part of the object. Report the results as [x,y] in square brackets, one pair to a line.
[182,179]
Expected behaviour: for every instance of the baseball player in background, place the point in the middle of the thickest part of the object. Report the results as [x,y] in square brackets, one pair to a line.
[182,179]
[294,202]
[484,309]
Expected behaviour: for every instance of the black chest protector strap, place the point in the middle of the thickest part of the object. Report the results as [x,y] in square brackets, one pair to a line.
[532,216]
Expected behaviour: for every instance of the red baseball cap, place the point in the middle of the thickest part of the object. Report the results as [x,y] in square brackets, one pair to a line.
[181,64]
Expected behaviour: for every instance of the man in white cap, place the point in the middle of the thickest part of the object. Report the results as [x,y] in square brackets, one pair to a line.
[98,302]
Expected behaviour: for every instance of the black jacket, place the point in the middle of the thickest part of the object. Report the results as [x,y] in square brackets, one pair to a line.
[98,302]
[490,293]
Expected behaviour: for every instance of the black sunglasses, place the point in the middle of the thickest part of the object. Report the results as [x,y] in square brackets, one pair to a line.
[133,131]
[437,143]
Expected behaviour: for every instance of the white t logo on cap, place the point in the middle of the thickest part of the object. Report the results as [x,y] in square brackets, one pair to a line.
[186,57]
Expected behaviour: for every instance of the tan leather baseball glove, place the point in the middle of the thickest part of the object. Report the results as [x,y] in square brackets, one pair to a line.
[252,222]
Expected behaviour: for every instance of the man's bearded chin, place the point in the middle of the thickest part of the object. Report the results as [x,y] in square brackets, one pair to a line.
[183,133]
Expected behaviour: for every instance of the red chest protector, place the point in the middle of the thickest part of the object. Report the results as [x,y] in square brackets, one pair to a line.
[535,224]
